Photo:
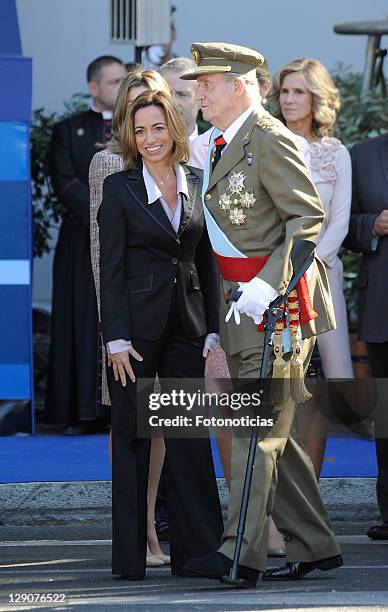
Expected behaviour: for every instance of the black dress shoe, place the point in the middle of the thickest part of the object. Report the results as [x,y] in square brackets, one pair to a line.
[378,532]
[293,570]
[215,565]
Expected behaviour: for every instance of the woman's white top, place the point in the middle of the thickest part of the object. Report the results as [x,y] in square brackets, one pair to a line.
[331,172]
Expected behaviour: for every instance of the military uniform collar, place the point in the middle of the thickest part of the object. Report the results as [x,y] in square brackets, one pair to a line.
[235,151]
[232,130]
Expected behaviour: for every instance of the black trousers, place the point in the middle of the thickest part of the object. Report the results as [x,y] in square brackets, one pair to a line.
[378,360]
[191,490]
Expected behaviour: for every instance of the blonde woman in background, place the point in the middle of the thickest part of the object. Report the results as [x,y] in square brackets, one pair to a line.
[307,101]
[104,163]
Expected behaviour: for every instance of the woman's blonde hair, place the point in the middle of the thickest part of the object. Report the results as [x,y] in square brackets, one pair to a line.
[137,77]
[180,151]
[326,99]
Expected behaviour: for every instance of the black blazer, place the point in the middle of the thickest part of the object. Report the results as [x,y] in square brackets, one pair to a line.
[74,142]
[369,198]
[142,259]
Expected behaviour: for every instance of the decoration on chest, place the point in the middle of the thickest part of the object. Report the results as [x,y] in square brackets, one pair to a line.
[235,201]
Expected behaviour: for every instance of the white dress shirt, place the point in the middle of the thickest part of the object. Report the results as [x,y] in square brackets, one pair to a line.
[194,134]
[199,148]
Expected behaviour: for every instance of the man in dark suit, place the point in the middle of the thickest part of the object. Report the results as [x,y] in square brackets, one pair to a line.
[368,234]
[72,387]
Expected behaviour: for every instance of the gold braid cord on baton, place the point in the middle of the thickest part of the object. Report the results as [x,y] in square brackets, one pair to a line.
[299,393]
[288,375]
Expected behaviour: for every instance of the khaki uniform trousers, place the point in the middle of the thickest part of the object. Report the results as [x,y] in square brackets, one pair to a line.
[283,485]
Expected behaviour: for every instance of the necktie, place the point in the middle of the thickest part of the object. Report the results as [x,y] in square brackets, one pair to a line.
[219,144]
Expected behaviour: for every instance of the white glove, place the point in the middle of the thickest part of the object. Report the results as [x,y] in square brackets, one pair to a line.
[254,300]
[211,341]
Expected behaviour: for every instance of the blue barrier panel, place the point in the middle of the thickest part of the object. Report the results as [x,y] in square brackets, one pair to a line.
[16,374]
[13,151]
[9,29]
[15,382]
[14,223]
[14,325]
[15,102]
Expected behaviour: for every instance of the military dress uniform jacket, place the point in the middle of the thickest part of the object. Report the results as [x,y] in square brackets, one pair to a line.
[282,207]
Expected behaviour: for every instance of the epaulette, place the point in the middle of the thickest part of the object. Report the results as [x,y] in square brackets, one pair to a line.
[266,123]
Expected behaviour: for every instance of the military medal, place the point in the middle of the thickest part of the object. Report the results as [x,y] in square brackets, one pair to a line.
[236,182]
[247,200]
[225,201]
[249,159]
[237,216]
[235,201]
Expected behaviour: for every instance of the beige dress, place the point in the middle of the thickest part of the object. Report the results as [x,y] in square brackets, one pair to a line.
[102,165]
[331,173]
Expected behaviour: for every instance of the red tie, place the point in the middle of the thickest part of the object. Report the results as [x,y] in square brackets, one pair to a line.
[219,144]
[220,140]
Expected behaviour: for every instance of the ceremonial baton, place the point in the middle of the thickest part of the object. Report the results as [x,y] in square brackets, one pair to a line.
[302,256]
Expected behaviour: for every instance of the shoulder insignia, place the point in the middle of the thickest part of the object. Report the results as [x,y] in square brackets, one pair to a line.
[265,123]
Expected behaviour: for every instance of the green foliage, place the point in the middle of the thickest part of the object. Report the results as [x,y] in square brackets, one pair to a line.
[358,120]
[46,208]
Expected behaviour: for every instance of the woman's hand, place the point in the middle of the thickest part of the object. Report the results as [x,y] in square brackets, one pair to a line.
[211,341]
[122,366]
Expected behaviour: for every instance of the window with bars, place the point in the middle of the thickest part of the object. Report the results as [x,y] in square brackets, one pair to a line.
[123,21]
[141,22]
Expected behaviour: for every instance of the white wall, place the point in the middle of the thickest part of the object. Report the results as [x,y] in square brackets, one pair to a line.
[63,36]
[281,29]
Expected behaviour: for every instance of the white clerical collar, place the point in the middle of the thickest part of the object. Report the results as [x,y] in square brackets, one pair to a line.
[232,130]
[194,134]
[106,114]
[153,191]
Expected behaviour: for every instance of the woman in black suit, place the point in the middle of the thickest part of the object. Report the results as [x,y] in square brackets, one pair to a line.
[159,314]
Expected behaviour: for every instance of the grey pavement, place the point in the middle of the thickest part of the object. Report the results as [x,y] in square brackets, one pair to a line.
[66,502]
[55,539]
[73,561]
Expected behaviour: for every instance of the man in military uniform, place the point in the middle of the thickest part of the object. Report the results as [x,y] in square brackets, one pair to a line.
[258,201]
